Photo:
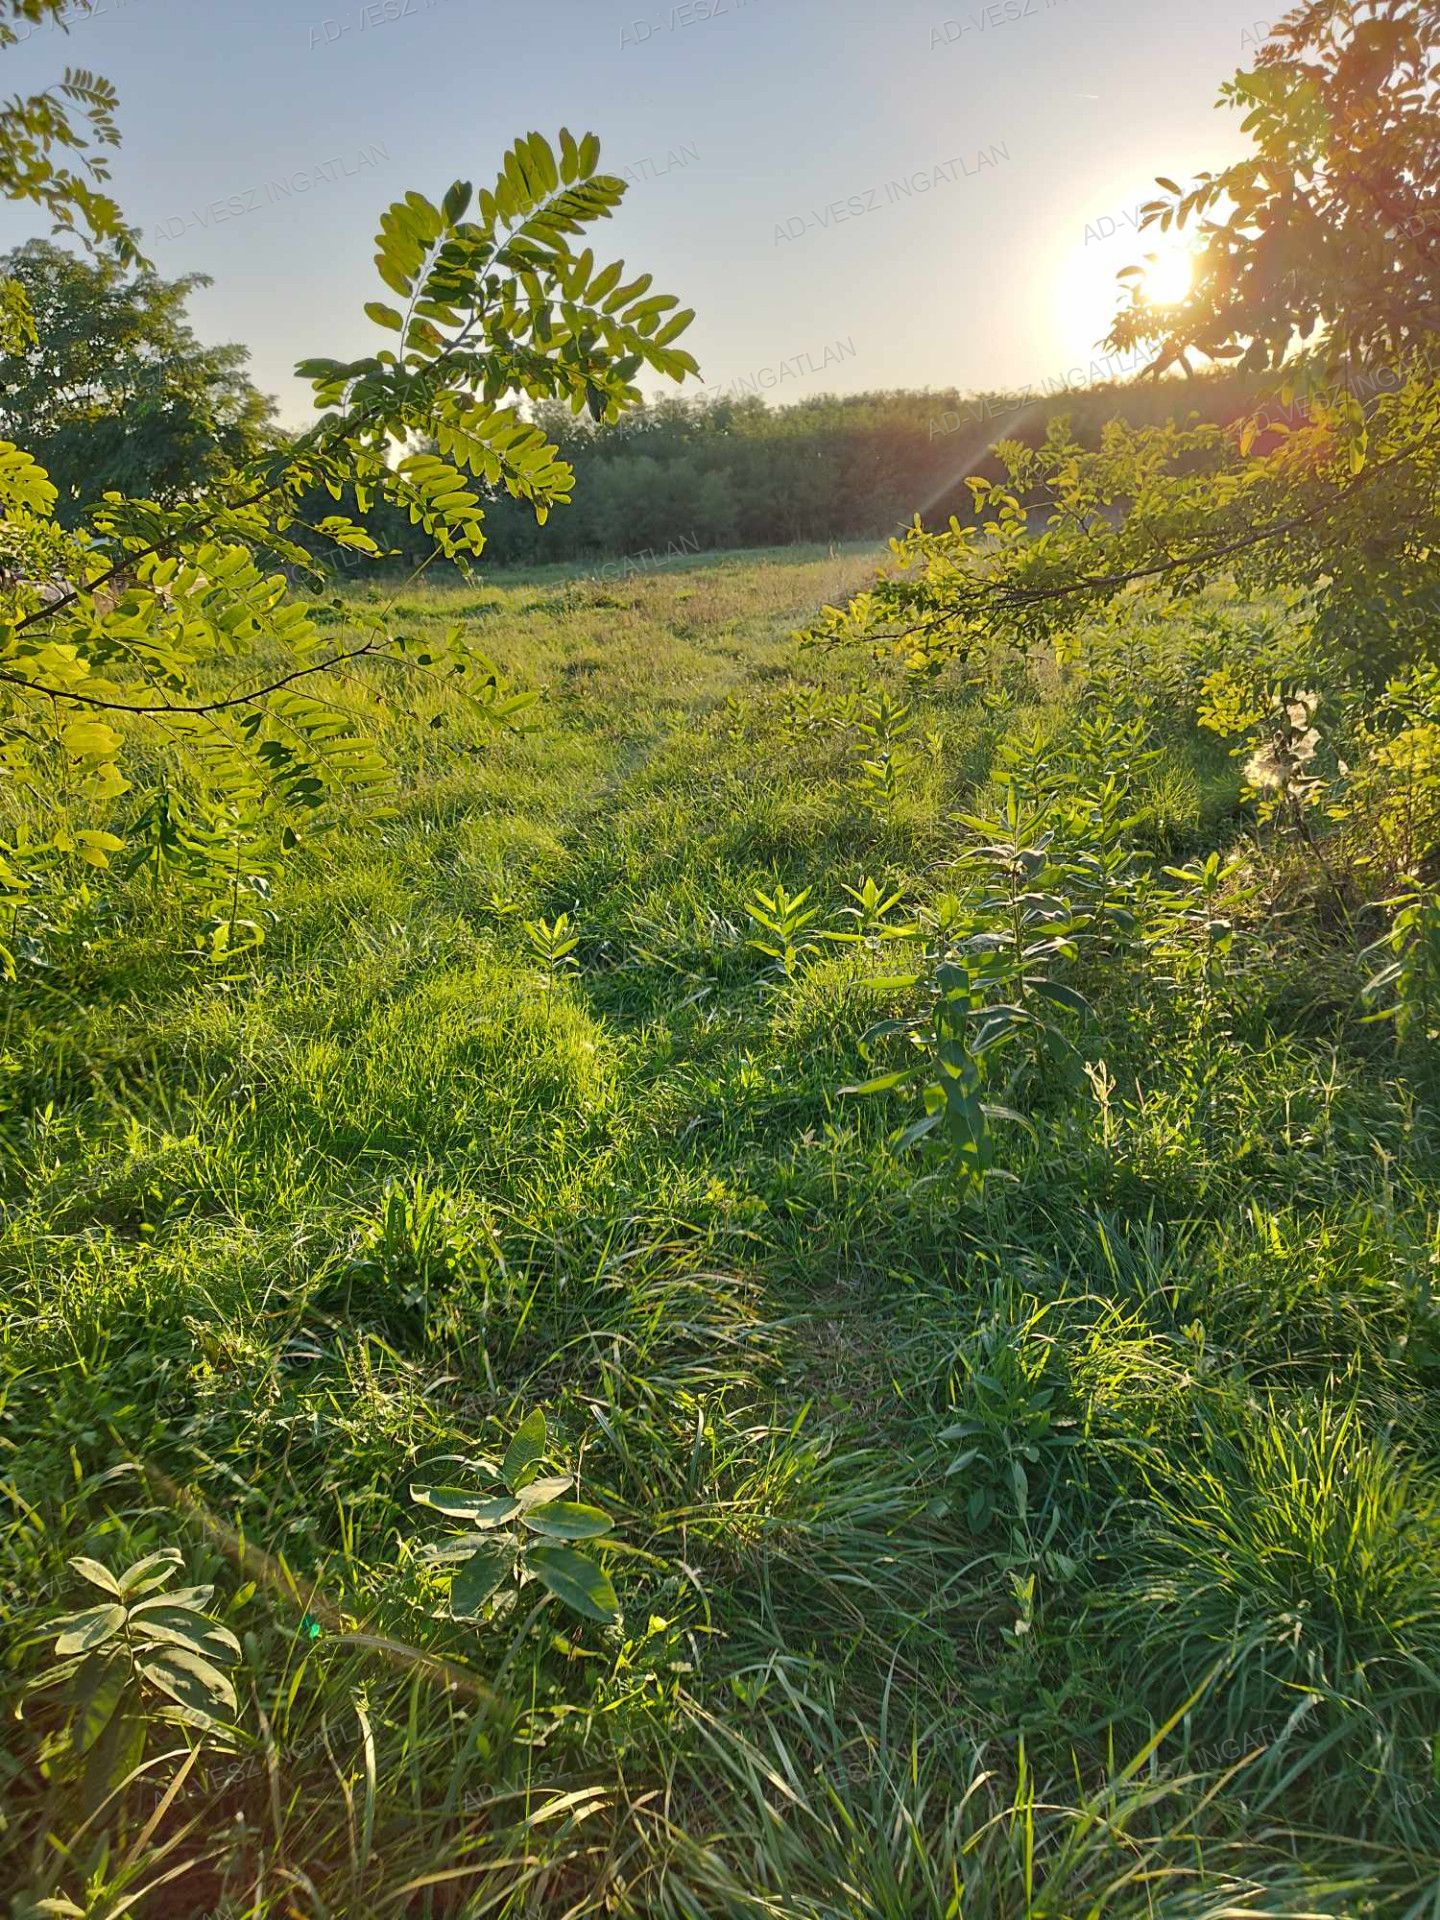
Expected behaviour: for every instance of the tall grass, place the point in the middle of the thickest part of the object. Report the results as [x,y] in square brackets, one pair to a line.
[1066,1548]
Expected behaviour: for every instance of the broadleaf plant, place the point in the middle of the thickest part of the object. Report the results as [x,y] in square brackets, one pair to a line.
[989,991]
[518,1529]
[146,1652]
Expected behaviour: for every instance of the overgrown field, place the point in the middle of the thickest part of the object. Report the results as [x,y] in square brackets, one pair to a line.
[1039,1518]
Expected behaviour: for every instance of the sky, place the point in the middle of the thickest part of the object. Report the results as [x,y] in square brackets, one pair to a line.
[852,194]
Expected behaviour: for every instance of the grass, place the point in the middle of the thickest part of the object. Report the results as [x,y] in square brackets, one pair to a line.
[1067,1547]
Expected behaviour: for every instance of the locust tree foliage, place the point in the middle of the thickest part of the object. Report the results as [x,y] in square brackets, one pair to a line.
[166,697]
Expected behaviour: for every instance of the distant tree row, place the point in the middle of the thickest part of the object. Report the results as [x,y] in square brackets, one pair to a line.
[685,476]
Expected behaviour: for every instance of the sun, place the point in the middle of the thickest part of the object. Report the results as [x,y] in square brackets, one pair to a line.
[1089,292]
[1166,278]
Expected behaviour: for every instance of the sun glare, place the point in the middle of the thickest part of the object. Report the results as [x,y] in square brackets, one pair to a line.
[1167,277]
[1090,292]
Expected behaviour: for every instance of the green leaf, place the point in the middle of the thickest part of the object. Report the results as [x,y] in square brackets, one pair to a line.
[181,1627]
[578,1582]
[151,1572]
[567,1520]
[882,1083]
[550,1486]
[457,200]
[525,1452]
[92,1628]
[190,1680]
[99,1689]
[479,1509]
[1063,996]
[195,1597]
[481,1574]
[114,1756]
[97,1575]
[89,740]
[383,316]
[459,1546]
[917,1130]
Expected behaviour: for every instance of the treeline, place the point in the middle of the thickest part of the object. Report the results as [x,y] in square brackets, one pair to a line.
[690,476]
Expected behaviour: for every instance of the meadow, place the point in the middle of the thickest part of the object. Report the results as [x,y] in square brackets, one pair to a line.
[1051,1531]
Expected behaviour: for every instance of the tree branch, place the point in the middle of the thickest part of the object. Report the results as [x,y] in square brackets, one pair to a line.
[1004,599]
[369,647]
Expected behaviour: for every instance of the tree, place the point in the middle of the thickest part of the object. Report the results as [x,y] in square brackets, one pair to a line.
[164,645]
[116,394]
[1333,485]
[1328,234]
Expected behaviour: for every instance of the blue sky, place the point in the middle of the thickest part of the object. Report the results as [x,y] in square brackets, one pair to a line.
[851,193]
